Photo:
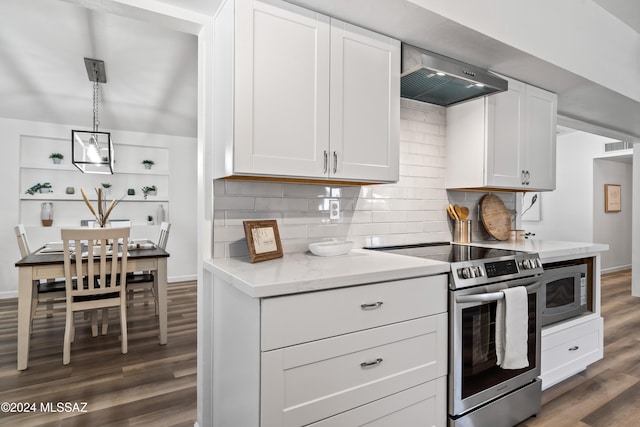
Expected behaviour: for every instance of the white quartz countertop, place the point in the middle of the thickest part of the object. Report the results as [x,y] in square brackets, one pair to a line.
[547,249]
[304,272]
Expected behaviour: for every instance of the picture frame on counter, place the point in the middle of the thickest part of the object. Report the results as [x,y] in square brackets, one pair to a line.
[612,198]
[263,240]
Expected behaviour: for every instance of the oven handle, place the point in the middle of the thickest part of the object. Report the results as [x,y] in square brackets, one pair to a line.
[492,296]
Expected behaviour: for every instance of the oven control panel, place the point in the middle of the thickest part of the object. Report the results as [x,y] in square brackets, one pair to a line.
[481,272]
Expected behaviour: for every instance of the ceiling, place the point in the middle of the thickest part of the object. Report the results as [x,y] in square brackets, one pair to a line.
[152,71]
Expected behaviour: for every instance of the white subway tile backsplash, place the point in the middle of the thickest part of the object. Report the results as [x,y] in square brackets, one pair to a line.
[218,187]
[235,218]
[290,232]
[228,234]
[361,216]
[306,190]
[305,218]
[413,136]
[395,216]
[369,229]
[318,232]
[228,203]
[410,211]
[390,191]
[254,188]
[281,204]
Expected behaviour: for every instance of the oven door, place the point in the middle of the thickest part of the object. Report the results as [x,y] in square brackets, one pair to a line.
[474,376]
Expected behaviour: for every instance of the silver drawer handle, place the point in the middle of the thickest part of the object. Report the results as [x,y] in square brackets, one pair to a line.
[370,364]
[574,348]
[371,306]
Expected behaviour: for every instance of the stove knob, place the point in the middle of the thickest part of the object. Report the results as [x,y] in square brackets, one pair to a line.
[478,271]
[538,263]
[526,264]
[465,273]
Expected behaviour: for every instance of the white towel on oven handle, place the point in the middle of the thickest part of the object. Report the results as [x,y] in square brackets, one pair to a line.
[512,328]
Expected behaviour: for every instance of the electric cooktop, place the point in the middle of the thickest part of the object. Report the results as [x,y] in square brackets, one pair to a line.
[448,252]
[473,265]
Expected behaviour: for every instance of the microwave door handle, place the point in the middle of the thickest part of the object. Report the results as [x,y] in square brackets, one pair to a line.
[491,296]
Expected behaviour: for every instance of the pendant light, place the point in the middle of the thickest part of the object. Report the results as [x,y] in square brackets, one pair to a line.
[92,151]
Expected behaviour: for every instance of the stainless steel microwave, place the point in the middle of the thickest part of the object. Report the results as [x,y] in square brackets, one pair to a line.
[564,293]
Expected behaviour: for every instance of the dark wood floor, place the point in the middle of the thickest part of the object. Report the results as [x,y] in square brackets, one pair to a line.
[150,385]
[608,392]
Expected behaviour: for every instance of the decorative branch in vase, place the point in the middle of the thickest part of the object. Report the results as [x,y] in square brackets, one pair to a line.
[102,216]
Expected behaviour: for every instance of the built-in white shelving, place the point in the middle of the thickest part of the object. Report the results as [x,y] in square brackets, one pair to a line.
[69,209]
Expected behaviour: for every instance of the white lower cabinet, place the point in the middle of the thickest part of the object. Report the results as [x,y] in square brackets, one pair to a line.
[569,347]
[420,406]
[313,381]
[372,355]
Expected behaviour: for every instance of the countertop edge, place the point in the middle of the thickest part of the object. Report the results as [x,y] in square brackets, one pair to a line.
[547,249]
[286,272]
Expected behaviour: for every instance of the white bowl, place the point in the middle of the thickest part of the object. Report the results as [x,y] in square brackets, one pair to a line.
[331,247]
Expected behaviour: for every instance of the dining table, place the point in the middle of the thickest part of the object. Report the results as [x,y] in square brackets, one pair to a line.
[48,263]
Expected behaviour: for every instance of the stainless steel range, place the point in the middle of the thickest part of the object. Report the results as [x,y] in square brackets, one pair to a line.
[481,393]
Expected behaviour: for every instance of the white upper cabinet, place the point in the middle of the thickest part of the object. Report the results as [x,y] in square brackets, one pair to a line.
[365,104]
[504,141]
[300,95]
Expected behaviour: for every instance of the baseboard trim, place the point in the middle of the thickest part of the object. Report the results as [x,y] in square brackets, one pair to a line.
[185,278]
[618,268]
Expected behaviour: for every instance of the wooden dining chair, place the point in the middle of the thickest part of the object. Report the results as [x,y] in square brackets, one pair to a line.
[48,292]
[95,278]
[144,282]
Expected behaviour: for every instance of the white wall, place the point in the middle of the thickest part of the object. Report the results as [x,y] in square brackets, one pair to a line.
[574,211]
[613,228]
[182,182]
[411,211]
[567,212]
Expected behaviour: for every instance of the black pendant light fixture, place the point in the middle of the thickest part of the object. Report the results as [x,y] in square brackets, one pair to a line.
[92,151]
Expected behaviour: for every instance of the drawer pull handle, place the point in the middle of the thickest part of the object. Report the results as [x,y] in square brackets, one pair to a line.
[371,306]
[370,364]
[574,348]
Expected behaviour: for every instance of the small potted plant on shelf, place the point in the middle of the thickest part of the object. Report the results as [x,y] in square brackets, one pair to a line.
[148,163]
[39,188]
[149,191]
[56,157]
[106,187]
[149,220]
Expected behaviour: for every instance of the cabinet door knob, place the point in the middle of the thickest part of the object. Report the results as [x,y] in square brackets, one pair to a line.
[528,177]
[326,161]
[371,306]
[370,364]
[335,161]
[522,179]
[574,348]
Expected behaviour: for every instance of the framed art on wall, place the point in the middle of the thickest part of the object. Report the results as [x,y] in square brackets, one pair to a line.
[612,198]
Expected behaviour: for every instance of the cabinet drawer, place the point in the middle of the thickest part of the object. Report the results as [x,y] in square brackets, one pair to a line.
[295,319]
[309,382]
[570,350]
[420,406]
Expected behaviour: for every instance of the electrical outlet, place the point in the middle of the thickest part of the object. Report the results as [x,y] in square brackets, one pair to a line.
[334,209]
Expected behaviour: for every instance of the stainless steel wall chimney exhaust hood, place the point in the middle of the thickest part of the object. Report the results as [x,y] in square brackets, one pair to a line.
[436,79]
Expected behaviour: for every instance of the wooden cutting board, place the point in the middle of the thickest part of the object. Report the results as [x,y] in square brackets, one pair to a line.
[495,217]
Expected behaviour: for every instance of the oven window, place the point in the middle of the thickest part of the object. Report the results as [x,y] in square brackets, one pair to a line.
[560,292]
[479,369]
